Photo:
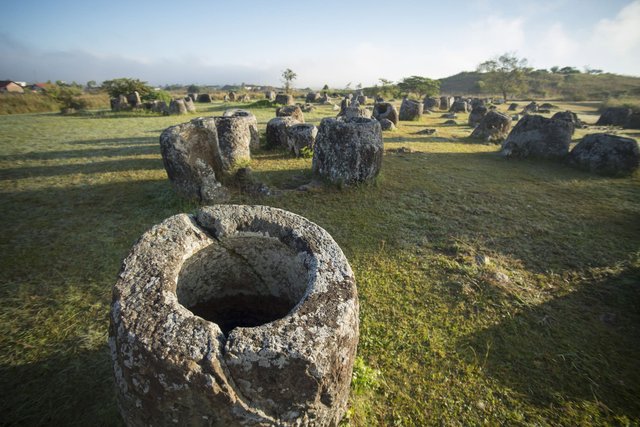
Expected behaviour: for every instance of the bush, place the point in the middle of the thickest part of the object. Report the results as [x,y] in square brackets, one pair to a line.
[160,95]
[125,86]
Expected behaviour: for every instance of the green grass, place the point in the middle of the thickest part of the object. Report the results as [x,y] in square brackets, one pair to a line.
[544,333]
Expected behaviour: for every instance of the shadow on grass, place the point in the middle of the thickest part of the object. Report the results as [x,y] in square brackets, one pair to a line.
[582,346]
[65,389]
[83,168]
[138,149]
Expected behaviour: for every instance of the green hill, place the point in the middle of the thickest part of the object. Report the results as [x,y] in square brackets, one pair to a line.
[575,87]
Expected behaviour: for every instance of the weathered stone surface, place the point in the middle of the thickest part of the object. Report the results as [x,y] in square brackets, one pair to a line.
[450,116]
[204,97]
[513,106]
[189,105]
[569,116]
[614,116]
[270,95]
[476,102]
[312,97]
[547,106]
[387,124]
[300,136]
[324,98]
[532,107]
[450,122]
[238,315]
[193,96]
[430,103]
[348,151]
[386,110]
[606,154]
[446,102]
[307,108]
[362,99]
[160,107]
[120,103]
[633,122]
[459,106]
[477,114]
[226,98]
[134,99]
[291,111]
[277,131]
[243,98]
[251,121]
[355,111]
[539,137]
[410,110]
[345,103]
[190,157]
[177,107]
[234,140]
[232,96]
[515,117]
[493,127]
[284,99]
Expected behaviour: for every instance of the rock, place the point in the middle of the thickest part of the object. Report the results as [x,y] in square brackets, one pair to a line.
[277,131]
[232,96]
[234,141]
[446,102]
[450,122]
[270,95]
[401,150]
[379,99]
[515,117]
[493,127]
[430,103]
[614,116]
[336,108]
[301,135]
[477,102]
[189,156]
[251,121]
[226,98]
[344,104]
[449,116]
[324,99]
[539,137]
[193,96]
[245,181]
[351,112]
[177,107]
[532,107]
[284,99]
[513,107]
[569,117]
[243,98]
[291,111]
[204,97]
[633,122]
[312,97]
[236,315]
[120,104]
[386,124]
[134,99]
[348,151]
[477,114]
[189,105]
[362,100]
[385,110]
[548,106]
[606,154]
[160,107]
[410,110]
[459,106]
[307,108]
[543,111]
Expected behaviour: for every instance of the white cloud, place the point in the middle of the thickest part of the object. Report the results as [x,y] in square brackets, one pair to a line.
[621,34]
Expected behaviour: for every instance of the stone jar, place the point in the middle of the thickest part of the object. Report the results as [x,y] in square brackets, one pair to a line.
[410,110]
[237,315]
[300,136]
[251,121]
[348,151]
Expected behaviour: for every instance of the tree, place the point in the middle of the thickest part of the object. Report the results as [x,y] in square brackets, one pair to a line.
[288,76]
[325,87]
[554,69]
[421,86]
[568,70]
[194,88]
[505,74]
[92,84]
[125,86]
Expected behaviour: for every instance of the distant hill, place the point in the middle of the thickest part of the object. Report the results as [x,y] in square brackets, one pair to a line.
[576,87]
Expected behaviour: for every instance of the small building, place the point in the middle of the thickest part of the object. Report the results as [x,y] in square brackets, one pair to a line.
[10,86]
[40,87]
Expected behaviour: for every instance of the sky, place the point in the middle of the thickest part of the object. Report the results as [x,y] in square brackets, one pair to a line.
[324,42]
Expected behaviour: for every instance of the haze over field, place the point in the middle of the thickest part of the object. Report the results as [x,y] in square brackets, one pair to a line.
[332,42]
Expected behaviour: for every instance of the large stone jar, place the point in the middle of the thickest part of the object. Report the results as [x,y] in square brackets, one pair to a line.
[238,315]
[348,151]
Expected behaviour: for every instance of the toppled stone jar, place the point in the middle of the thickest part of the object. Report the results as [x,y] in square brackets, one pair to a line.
[238,315]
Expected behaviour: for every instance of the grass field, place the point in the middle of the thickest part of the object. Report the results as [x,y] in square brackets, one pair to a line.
[492,291]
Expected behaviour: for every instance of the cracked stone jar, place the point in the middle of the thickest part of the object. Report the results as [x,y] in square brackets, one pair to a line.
[237,315]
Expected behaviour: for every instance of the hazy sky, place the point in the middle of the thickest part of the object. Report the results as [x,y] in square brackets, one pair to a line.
[334,42]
